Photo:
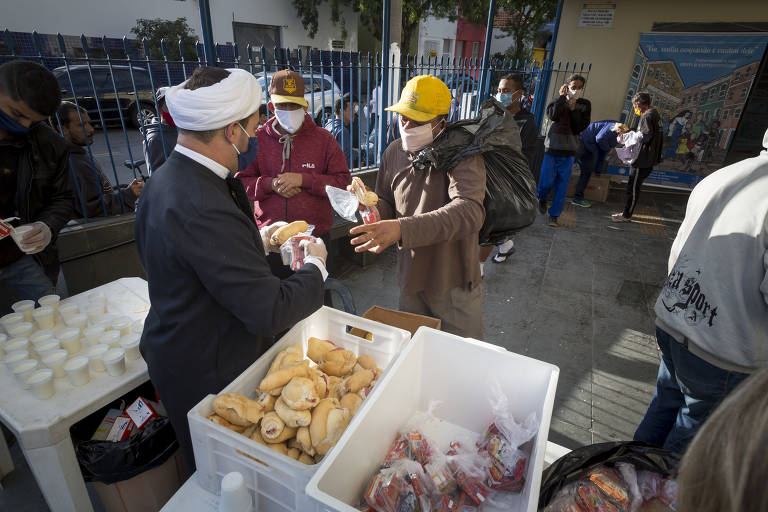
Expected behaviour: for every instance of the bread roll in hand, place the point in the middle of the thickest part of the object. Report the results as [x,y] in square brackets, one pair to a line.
[281,235]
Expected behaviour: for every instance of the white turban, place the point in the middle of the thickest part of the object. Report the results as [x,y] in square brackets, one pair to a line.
[209,108]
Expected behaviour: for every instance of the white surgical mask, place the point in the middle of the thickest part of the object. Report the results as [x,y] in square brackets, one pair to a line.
[290,120]
[573,93]
[357,109]
[416,138]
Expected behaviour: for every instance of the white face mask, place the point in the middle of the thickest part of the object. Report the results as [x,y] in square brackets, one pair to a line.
[290,120]
[573,93]
[357,109]
[415,139]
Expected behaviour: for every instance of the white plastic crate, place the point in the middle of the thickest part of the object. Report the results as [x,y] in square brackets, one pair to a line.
[276,481]
[457,372]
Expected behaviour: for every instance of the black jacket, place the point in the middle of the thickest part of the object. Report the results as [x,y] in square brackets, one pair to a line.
[563,135]
[653,137]
[43,186]
[155,152]
[215,305]
[528,133]
[90,180]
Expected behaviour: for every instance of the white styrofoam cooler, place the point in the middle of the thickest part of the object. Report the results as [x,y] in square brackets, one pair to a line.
[276,481]
[457,372]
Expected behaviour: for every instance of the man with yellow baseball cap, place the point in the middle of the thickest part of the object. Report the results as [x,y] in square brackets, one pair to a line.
[433,214]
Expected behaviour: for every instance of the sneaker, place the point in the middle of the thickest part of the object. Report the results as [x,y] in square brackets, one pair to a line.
[542,206]
[553,222]
[619,217]
[581,202]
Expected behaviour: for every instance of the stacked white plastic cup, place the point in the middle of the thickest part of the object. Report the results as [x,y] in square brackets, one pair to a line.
[235,496]
[105,321]
[122,324]
[114,360]
[79,321]
[68,309]
[17,344]
[18,234]
[44,316]
[14,358]
[21,330]
[92,333]
[137,327]
[130,344]
[41,382]
[94,355]
[23,369]
[70,339]
[47,347]
[77,370]
[7,321]
[50,301]
[24,307]
[55,361]
[94,310]
[98,300]
[41,336]
[110,338]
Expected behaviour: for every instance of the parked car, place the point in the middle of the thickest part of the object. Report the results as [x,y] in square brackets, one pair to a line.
[135,105]
[321,87]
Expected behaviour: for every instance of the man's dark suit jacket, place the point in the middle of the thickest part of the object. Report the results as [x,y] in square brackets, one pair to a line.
[215,305]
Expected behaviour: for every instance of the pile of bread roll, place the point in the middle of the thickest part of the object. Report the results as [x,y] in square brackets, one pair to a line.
[301,409]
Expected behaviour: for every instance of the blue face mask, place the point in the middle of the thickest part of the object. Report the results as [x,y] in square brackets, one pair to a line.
[12,126]
[247,157]
[506,98]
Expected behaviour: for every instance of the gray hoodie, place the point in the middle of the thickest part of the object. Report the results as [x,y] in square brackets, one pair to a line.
[716,294]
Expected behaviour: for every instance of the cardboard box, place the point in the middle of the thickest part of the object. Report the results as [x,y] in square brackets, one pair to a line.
[408,321]
[146,492]
[597,188]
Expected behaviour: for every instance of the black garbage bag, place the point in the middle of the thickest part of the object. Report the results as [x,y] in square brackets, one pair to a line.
[108,462]
[510,197]
[572,466]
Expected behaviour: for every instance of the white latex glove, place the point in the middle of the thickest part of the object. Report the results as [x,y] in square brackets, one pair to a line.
[266,234]
[314,249]
[37,238]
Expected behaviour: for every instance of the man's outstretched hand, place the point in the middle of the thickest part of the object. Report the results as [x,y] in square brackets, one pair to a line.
[375,237]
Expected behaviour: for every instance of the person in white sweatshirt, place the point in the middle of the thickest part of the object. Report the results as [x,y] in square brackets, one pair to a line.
[712,314]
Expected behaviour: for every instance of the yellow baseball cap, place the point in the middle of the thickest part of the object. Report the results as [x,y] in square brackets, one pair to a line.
[424,97]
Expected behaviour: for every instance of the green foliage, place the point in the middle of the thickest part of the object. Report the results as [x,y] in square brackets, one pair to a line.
[155,30]
[370,11]
[524,24]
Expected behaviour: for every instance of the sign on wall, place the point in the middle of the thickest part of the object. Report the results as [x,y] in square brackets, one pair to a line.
[699,83]
[597,15]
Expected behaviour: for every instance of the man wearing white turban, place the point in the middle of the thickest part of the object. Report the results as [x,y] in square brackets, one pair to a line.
[216,306]
[712,314]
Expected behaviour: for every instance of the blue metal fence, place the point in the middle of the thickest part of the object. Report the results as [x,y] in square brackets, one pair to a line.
[115,81]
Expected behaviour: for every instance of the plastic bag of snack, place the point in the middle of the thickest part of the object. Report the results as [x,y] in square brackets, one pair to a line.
[669,492]
[400,449]
[413,486]
[383,491]
[504,441]
[470,470]
[629,474]
[650,484]
[611,484]
[445,503]
[566,500]
[592,499]
[347,204]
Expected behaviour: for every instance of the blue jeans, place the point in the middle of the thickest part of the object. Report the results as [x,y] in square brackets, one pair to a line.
[589,161]
[555,174]
[687,390]
[26,280]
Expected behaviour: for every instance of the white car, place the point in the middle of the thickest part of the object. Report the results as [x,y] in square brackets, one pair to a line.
[320,91]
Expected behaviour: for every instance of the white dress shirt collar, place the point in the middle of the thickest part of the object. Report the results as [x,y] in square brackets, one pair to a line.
[215,167]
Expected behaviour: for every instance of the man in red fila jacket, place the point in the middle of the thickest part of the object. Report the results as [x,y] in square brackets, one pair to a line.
[295,161]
